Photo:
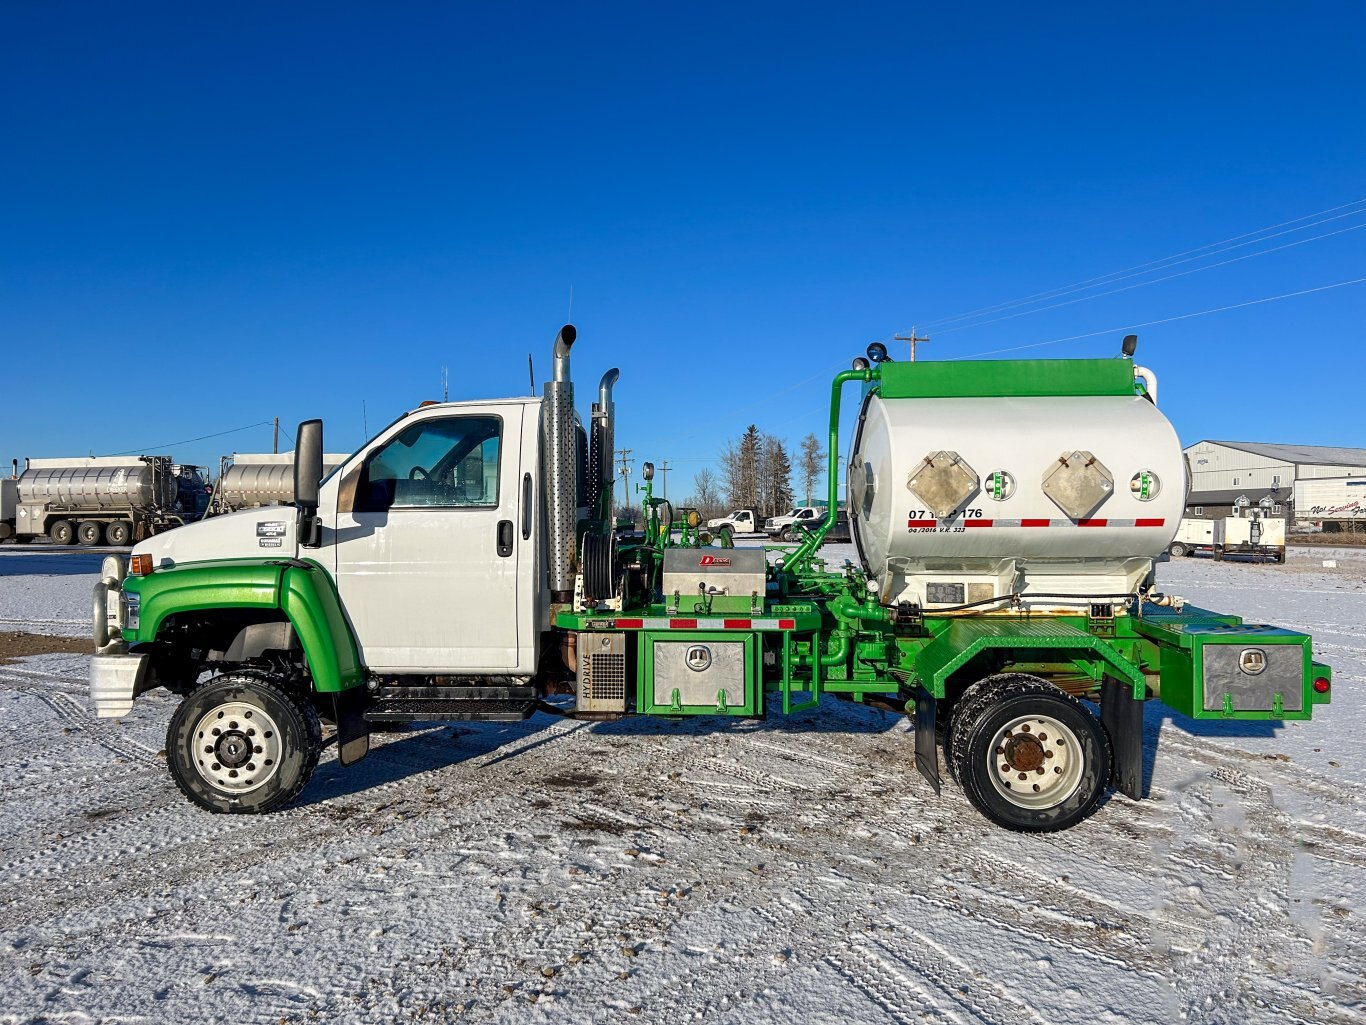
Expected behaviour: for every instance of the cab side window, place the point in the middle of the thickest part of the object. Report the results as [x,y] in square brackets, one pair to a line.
[447,463]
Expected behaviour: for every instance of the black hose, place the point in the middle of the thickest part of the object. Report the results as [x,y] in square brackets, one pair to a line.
[1023,594]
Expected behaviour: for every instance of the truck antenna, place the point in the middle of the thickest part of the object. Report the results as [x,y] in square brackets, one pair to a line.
[531,373]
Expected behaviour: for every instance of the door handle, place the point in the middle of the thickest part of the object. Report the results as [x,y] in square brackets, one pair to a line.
[504,538]
[526,507]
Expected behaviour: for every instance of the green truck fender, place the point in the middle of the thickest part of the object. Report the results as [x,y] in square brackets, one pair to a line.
[965,638]
[299,588]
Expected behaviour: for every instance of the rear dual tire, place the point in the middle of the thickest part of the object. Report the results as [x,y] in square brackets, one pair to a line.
[1028,756]
[242,744]
[89,533]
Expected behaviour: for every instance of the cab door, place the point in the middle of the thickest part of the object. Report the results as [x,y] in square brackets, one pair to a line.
[431,559]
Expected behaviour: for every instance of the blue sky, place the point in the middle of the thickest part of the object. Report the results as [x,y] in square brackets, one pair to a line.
[213,215]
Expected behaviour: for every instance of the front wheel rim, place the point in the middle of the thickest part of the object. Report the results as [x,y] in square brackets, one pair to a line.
[1035,762]
[236,747]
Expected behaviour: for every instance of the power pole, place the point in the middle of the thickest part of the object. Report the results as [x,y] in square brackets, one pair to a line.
[625,475]
[913,339]
[275,447]
[664,473]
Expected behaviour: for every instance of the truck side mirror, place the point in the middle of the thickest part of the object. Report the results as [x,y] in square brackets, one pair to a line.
[308,474]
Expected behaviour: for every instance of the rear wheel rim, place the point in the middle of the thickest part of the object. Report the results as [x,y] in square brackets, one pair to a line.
[236,747]
[1035,762]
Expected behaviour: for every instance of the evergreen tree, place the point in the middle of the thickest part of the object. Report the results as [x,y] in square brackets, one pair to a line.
[740,466]
[775,477]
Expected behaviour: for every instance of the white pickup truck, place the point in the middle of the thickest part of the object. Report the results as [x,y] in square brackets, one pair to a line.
[783,527]
[741,521]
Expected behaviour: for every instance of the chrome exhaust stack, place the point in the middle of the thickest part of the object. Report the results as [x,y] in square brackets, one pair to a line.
[601,445]
[560,468]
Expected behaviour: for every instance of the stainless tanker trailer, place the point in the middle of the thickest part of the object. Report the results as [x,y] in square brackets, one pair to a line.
[252,480]
[114,499]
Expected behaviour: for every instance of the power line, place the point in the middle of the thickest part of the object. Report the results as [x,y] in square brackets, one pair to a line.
[186,441]
[1167,320]
[1154,281]
[1152,265]
[625,474]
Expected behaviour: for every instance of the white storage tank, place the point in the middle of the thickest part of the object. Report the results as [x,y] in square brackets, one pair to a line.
[970,481]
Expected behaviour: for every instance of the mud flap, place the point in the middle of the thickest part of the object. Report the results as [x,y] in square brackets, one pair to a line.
[926,749]
[353,732]
[1122,716]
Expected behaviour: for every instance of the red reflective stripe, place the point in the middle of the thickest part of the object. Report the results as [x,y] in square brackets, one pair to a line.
[682,624]
[922,523]
[1034,523]
[735,624]
[978,523]
[1149,523]
[1091,523]
[629,624]
[787,624]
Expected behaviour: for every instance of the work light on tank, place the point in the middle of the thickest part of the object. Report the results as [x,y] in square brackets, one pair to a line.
[877,353]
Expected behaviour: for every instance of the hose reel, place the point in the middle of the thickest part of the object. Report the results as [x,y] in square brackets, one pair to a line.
[601,574]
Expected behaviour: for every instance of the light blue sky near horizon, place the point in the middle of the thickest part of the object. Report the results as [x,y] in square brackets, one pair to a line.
[212,216]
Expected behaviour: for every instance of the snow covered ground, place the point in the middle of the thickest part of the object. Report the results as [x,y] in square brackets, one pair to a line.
[794,870]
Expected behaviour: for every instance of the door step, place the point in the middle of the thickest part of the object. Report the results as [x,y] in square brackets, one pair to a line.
[429,710]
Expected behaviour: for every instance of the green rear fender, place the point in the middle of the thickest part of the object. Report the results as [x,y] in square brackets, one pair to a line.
[302,590]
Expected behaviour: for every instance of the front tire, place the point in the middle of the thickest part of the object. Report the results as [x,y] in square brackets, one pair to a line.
[242,744]
[1177,549]
[1028,756]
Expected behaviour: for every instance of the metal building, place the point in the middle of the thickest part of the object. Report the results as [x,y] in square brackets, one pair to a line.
[1230,477]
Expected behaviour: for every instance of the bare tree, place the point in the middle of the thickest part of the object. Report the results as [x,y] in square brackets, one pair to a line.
[706,495]
[811,465]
